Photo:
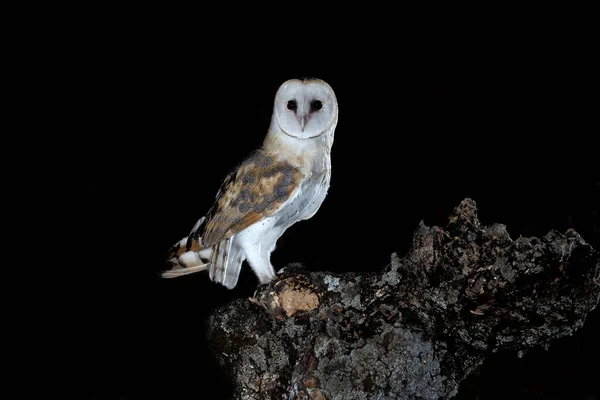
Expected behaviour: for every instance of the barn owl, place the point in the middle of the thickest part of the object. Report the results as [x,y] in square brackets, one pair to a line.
[282,182]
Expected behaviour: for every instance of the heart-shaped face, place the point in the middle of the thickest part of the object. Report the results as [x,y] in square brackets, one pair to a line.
[305,108]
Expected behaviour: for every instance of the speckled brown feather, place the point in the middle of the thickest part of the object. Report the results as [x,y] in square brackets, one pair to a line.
[256,189]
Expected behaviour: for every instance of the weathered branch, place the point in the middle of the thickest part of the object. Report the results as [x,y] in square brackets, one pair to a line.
[417,328]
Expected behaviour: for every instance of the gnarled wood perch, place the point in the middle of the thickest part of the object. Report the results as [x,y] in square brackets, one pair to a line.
[415,329]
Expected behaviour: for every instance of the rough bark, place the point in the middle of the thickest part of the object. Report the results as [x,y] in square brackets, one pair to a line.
[415,329]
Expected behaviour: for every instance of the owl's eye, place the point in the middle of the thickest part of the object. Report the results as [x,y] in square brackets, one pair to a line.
[315,105]
[291,105]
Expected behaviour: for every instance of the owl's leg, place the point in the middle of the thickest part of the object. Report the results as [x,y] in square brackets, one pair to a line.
[259,255]
[260,264]
[257,242]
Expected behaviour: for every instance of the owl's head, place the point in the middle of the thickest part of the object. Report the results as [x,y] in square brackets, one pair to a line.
[305,108]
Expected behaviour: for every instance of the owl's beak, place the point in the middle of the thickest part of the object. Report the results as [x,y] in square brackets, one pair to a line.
[302,119]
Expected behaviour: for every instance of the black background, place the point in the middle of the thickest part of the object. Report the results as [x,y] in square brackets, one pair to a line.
[161,125]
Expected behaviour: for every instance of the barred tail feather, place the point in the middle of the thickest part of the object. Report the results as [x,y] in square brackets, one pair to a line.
[180,271]
[223,261]
[187,257]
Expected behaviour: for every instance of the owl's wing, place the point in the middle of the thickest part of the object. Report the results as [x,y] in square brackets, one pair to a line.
[256,189]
